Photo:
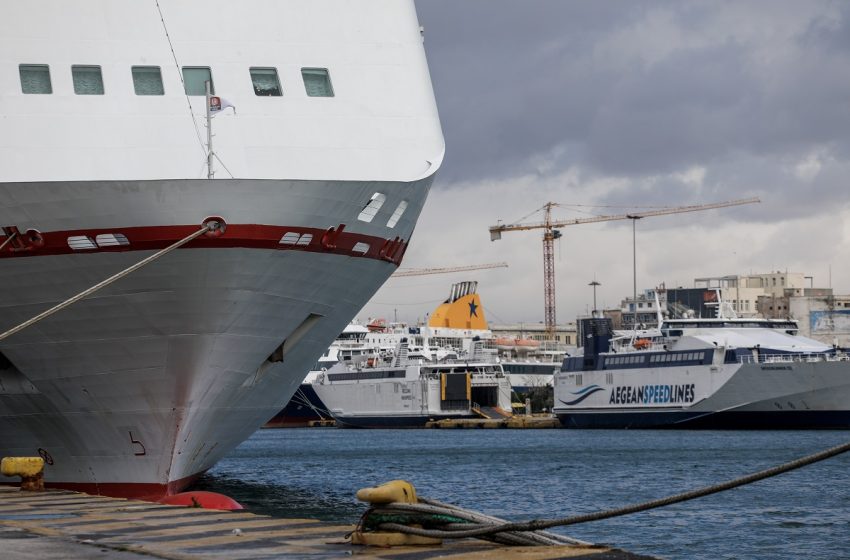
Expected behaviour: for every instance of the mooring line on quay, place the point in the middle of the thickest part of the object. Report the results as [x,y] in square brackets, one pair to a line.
[440,514]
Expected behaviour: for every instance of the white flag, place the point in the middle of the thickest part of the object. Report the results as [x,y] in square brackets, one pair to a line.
[219,104]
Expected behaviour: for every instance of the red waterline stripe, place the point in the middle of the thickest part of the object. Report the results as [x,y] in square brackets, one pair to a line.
[150,491]
[333,240]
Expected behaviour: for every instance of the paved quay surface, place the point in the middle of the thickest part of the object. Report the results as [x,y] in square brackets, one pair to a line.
[68,525]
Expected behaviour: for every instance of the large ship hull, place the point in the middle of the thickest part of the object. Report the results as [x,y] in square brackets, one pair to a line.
[144,385]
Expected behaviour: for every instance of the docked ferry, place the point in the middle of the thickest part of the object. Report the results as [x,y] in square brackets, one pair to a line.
[410,392]
[307,182]
[719,373]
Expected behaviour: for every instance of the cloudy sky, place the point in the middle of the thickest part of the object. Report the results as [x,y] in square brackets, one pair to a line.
[626,104]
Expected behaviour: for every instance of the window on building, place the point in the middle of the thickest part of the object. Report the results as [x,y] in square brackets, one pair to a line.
[194,79]
[317,82]
[265,82]
[147,80]
[35,78]
[87,80]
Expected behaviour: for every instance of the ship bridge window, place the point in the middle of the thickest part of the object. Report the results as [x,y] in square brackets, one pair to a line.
[317,82]
[88,80]
[265,82]
[147,80]
[399,210]
[371,209]
[194,78]
[35,78]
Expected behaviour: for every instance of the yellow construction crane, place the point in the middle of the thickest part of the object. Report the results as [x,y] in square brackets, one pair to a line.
[550,234]
[423,271]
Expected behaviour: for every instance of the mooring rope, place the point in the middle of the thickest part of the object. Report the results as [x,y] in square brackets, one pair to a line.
[209,226]
[8,240]
[459,531]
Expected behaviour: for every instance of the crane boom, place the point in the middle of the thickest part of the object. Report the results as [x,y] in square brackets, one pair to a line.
[496,230]
[550,234]
[424,271]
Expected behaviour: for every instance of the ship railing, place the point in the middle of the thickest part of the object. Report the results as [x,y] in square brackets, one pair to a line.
[641,344]
[795,358]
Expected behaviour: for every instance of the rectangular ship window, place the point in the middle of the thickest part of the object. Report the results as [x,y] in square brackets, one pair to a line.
[194,78]
[265,82]
[147,80]
[87,80]
[371,209]
[317,82]
[35,78]
[399,210]
[360,247]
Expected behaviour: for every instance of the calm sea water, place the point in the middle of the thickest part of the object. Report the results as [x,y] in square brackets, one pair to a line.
[526,474]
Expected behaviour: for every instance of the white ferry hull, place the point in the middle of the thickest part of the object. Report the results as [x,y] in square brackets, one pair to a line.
[141,387]
[779,395]
[407,403]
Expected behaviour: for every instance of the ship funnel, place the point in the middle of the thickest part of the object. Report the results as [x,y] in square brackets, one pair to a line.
[597,339]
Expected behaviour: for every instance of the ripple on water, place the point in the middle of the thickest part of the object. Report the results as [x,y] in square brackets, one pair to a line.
[525,474]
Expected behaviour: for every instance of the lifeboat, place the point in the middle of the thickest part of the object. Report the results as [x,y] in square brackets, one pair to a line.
[642,343]
[377,325]
[504,343]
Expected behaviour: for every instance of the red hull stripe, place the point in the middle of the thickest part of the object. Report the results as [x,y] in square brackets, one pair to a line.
[334,240]
[149,491]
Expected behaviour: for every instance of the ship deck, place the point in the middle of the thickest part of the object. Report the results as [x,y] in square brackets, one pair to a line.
[75,526]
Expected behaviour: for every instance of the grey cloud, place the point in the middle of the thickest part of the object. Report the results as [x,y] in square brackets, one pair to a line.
[515,80]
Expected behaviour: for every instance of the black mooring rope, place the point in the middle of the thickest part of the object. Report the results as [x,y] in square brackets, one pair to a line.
[539,524]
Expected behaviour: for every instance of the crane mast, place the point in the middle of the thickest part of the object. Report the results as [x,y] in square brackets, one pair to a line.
[551,233]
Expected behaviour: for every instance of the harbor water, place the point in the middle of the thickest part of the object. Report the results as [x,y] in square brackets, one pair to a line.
[528,474]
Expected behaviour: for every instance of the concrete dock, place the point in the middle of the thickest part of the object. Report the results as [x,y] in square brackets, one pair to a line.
[512,423]
[68,525]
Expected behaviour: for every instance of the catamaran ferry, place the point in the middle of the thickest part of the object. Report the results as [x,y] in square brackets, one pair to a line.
[722,373]
[326,141]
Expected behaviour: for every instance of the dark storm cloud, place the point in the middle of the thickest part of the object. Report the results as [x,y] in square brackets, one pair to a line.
[702,84]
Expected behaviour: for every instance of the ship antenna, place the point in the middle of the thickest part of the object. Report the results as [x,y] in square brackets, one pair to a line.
[210,154]
[180,75]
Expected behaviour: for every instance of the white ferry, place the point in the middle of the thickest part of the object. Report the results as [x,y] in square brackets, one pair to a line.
[407,394]
[721,373]
[311,194]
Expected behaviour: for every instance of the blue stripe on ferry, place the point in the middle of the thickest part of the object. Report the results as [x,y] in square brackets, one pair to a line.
[586,392]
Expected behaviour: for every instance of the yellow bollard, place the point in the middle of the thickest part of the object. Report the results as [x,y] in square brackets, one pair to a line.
[30,469]
[395,491]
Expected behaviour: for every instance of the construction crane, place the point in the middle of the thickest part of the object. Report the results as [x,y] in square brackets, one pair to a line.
[423,271]
[550,234]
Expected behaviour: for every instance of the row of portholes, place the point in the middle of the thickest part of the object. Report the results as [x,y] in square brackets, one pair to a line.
[86,243]
[296,239]
[375,203]
[147,80]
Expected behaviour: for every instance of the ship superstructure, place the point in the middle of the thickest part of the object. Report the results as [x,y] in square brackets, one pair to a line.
[319,179]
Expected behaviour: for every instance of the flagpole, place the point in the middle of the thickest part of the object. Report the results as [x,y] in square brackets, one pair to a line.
[210,172]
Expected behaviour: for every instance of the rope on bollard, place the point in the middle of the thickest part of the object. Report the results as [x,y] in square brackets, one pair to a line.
[491,530]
